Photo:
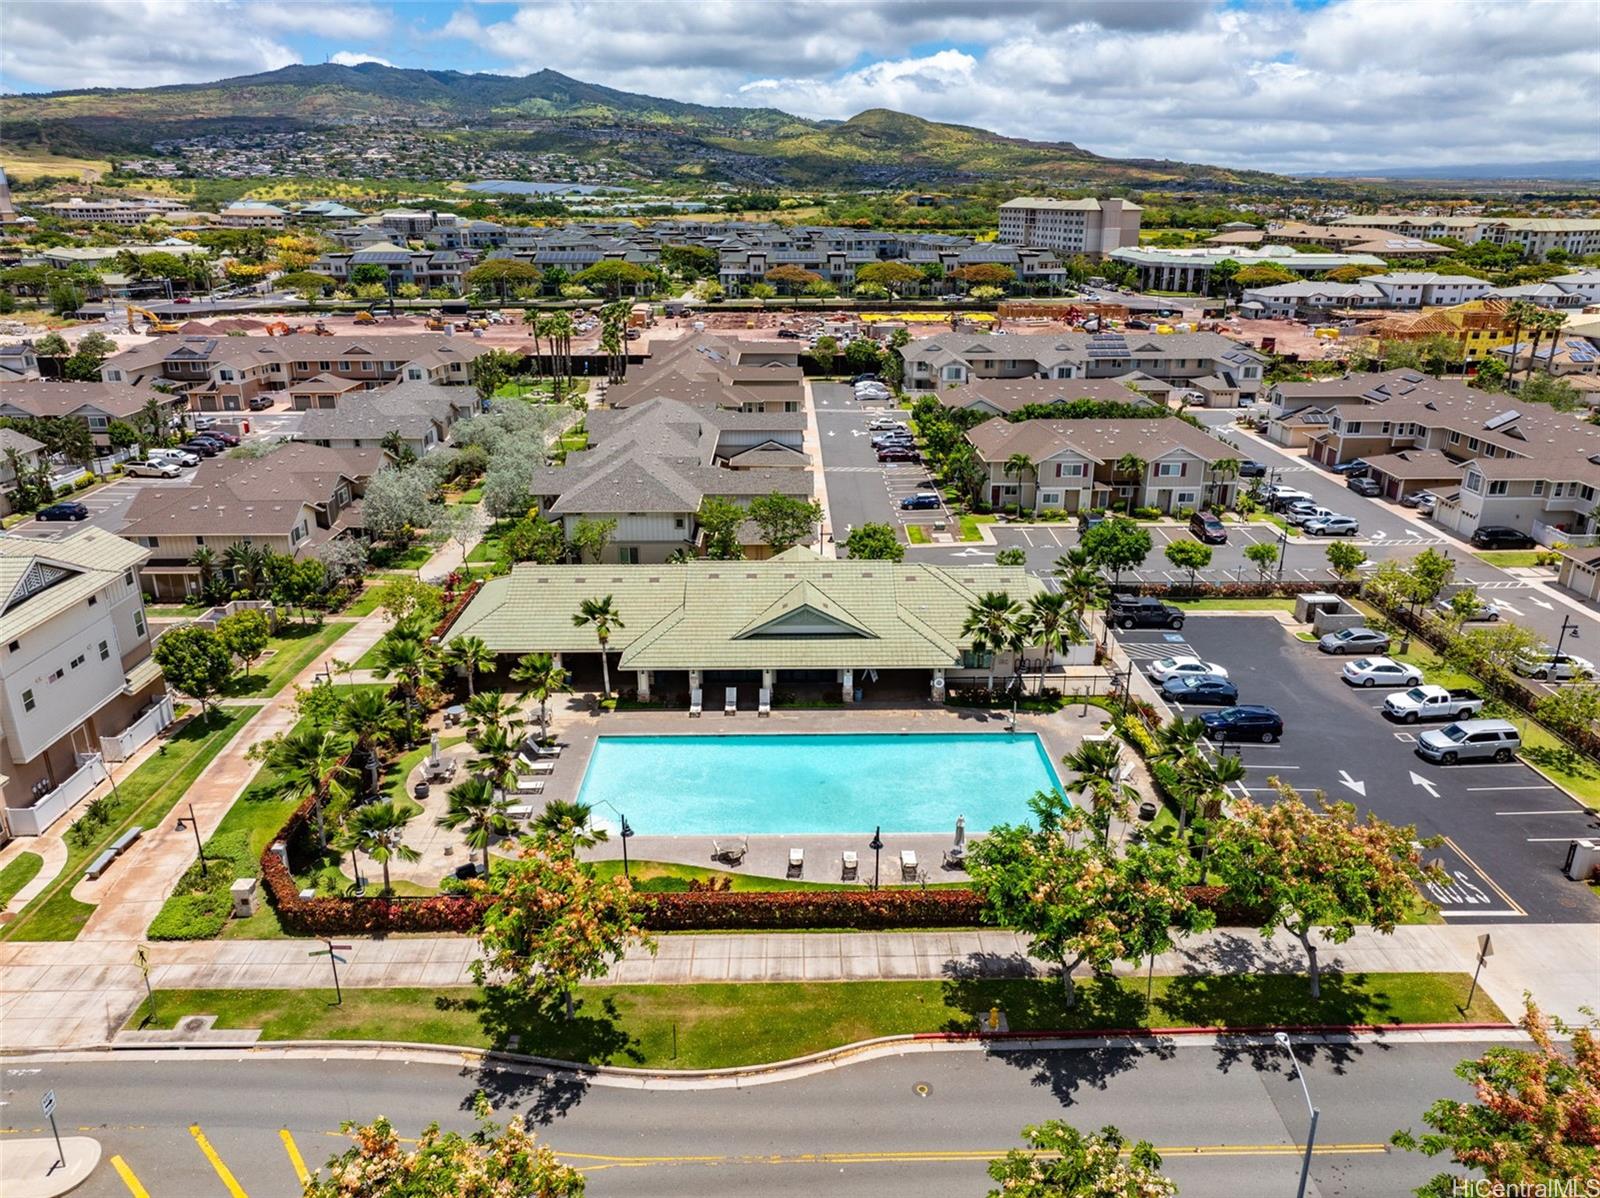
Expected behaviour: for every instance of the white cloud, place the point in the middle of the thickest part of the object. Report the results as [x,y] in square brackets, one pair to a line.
[352,58]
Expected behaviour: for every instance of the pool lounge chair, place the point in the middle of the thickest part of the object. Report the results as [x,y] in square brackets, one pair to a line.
[541,766]
[908,865]
[797,862]
[731,854]
[764,702]
[695,704]
[848,866]
[730,700]
[529,785]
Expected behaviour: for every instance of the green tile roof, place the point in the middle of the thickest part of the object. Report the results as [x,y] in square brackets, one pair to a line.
[794,611]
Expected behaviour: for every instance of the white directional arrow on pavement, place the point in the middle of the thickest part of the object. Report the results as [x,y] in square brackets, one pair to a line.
[1541,603]
[1359,787]
[1502,604]
[1418,780]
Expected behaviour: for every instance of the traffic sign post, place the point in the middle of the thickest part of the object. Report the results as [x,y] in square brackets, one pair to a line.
[332,953]
[48,1105]
[141,958]
[1485,951]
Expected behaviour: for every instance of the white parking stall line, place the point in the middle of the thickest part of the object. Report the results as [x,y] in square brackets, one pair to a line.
[1547,839]
[1568,811]
[1273,765]
[1545,787]
[1502,914]
[1026,537]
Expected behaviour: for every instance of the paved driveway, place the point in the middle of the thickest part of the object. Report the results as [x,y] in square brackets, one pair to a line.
[860,488]
[108,508]
[1506,827]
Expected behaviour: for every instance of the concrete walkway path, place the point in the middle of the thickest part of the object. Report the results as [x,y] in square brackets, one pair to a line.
[52,850]
[75,994]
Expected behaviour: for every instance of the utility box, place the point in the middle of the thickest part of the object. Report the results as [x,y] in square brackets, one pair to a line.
[244,898]
[1313,603]
[1583,859]
[280,850]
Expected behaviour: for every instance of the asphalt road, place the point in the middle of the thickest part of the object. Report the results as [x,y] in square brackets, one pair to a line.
[1506,827]
[860,488]
[1230,1122]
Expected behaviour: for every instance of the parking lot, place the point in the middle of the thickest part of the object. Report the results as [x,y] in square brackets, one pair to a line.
[1505,827]
[862,489]
[108,508]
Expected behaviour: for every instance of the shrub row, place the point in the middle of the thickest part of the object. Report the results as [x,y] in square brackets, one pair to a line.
[454,614]
[862,909]
[1240,590]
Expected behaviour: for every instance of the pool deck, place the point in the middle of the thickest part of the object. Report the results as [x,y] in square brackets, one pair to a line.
[768,856]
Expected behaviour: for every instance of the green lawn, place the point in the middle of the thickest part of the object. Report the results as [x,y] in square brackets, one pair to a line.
[474,496]
[144,798]
[293,648]
[1507,557]
[367,602]
[369,659]
[726,1024]
[411,558]
[918,535]
[969,527]
[1234,604]
[22,870]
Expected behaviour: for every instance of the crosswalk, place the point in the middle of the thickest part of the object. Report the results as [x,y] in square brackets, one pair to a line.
[1147,652]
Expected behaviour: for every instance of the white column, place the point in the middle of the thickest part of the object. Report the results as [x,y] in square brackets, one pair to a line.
[644,686]
[847,687]
[938,686]
[694,680]
[769,679]
[556,657]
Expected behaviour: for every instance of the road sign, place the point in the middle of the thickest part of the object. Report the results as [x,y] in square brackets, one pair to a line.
[1485,947]
[47,1104]
[141,958]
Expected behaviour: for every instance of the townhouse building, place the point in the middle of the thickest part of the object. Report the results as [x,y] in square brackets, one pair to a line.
[252,214]
[97,405]
[290,502]
[78,686]
[745,376]
[1202,361]
[1536,235]
[1003,397]
[19,454]
[1089,227]
[1075,464]
[421,415]
[427,269]
[85,211]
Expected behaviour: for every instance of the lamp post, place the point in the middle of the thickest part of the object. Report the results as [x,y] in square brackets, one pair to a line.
[626,831]
[197,842]
[1311,1136]
[877,853]
[1567,626]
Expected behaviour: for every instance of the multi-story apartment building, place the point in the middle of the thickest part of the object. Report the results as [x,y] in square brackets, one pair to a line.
[1536,235]
[98,405]
[427,269]
[252,214]
[951,359]
[1189,268]
[79,210]
[1090,227]
[78,686]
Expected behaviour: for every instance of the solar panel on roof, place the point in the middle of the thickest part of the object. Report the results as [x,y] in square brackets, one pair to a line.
[1501,421]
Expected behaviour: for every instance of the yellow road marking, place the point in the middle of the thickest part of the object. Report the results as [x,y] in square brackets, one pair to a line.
[596,1161]
[128,1179]
[295,1158]
[234,1188]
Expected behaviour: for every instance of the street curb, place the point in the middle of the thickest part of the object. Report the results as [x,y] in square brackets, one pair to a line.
[792,1068]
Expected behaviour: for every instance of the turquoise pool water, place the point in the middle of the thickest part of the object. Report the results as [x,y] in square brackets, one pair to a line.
[785,785]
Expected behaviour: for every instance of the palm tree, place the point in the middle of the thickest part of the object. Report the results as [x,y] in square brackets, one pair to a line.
[413,665]
[603,615]
[1180,739]
[497,748]
[311,763]
[377,830]
[1520,313]
[470,655]
[478,809]
[535,324]
[1132,463]
[1209,776]
[1555,324]
[542,678]
[563,819]
[992,624]
[247,563]
[1081,583]
[1223,469]
[1017,466]
[153,422]
[204,559]
[1095,766]
[370,718]
[1053,628]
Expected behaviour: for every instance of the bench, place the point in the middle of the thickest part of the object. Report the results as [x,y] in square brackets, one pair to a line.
[100,864]
[120,844]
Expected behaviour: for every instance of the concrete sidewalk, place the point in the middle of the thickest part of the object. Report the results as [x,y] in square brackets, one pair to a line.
[79,993]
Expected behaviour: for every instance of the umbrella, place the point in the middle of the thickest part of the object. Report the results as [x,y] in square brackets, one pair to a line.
[434,756]
[961,831]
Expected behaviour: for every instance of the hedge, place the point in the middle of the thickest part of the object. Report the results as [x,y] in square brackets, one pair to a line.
[867,910]
[1240,590]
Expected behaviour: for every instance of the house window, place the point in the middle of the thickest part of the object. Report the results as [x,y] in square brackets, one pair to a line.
[127,578]
[628,555]
[1185,497]
[1169,469]
[138,623]
[1455,438]
[1050,498]
[94,600]
[15,645]
[27,701]
[1586,493]
[1538,486]
[1472,443]
[57,676]
[105,651]
[77,661]
[1498,487]
[1473,483]
[677,522]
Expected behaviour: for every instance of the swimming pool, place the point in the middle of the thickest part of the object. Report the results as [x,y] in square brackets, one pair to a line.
[784,785]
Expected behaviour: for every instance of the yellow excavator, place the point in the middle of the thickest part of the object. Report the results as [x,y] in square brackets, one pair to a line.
[157,324]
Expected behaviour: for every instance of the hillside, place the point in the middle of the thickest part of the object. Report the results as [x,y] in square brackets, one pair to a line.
[547,109]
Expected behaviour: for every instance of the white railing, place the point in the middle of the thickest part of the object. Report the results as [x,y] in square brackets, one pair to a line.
[1548,535]
[139,733]
[32,821]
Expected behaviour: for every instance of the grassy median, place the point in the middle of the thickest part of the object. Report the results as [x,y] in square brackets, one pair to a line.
[724,1024]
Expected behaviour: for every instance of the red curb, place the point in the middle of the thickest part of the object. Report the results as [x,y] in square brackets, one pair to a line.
[1251,1030]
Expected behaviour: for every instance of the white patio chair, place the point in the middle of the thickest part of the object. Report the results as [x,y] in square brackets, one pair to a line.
[730,700]
[908,865]
[797,862]
[764,702]
[694,702]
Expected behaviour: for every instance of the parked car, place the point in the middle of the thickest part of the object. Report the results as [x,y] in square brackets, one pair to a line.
[885,423]
[1470,740]
[1354,640]
[1426,503]
[1354,466]
[1498,536]
[921,501]
[1206,527]
[201,423]
[1201,688]
[70,510]
[1247,721]
[1380,671]
[205,449]
[1486,610]
[181,456]
[788,335]
[1332,526]
[260,403]
[1251,469]
[869,377]
[1141,611]
[897,453]
[1279,498]
[1088,520]
[1433,703]
[1545,665]
[1414,498]
[900,438]
[151,469]
[227,438]
[1184,665]
[1362,484]
[872,396]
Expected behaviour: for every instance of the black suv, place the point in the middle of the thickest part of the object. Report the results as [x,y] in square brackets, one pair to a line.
[1497,536]
[1140,611]
[1248,721]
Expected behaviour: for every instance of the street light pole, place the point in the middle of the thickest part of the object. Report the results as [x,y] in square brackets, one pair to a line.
[877,853]
[197,842]
[1311,1136]
[1567,626]
[626,831]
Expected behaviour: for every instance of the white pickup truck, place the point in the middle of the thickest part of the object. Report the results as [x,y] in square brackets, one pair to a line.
[1432,703]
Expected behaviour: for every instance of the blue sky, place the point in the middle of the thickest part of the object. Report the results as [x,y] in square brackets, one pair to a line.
[1296,85]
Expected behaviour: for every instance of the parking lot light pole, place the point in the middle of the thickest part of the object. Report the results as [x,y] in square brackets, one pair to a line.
[1567,627]
[877,853]
[1311,1136]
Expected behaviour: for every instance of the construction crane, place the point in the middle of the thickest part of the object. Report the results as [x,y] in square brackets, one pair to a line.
[156,323]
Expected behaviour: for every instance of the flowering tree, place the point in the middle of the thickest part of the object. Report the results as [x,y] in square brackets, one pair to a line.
[1062,1162]
[554,922]
[491,1162]
[1318,869]
[1536,1118]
